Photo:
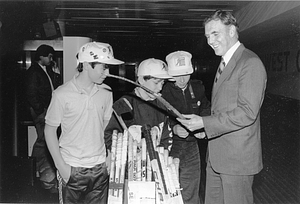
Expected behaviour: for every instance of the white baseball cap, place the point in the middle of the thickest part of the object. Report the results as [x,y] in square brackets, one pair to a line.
[179,63]
[97,52]
[153,67]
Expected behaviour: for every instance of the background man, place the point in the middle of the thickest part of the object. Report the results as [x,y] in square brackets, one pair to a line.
[40,82]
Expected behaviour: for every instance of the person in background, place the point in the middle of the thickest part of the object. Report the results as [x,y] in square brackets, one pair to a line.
[233,128]
[140,107]
[83,107]
[187,96]
[41,80]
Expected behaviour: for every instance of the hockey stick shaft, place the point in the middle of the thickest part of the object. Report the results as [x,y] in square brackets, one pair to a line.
[161,99]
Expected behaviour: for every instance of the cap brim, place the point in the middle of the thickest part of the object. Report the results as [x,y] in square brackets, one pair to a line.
[180,73]
[162,76]
[113,62]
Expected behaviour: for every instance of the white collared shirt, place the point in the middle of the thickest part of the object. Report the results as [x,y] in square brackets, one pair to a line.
[230,52]
[44,68]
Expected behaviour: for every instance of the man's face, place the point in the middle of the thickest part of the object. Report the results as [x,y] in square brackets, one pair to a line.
[181,81]
[219,36]
[98,73]
[45,61]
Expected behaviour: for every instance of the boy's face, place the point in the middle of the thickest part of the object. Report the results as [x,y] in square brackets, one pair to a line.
[98,73]
[154,84]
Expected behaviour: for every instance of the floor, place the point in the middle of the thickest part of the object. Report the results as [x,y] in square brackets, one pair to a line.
[277,183]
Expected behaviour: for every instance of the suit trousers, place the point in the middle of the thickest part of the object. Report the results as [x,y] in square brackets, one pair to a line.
[227,189]
[44,162]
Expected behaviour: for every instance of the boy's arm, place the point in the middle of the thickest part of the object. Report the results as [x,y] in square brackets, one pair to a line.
[53,146]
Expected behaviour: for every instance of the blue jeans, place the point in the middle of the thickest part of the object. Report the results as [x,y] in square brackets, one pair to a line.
[189,169]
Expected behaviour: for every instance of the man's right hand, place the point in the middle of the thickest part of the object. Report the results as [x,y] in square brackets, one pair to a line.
[180,131]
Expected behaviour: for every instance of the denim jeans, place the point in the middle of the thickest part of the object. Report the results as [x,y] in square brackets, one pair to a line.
[189,169]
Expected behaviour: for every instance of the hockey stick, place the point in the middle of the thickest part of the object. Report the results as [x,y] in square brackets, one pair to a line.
[155,164]
[161,99]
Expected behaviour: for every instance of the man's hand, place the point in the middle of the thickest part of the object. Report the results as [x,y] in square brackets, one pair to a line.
[200,135]
[192,123]
[180,131]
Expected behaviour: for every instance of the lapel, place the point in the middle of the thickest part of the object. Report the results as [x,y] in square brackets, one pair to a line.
[42,73]
[228,69]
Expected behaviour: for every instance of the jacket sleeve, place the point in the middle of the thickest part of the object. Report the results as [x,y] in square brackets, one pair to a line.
[238,102]
[205,107]
[32,92]
[166,135]
[112,125]
[121,108]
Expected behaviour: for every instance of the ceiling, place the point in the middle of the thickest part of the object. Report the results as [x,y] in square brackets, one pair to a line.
[135,29]
[150,28]
[159,19]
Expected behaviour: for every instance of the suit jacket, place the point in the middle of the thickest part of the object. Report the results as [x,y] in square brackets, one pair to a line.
[233,128]
[38,88]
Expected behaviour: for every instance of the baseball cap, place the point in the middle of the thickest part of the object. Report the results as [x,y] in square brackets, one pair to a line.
[179,63]
[153,67]
[97,52]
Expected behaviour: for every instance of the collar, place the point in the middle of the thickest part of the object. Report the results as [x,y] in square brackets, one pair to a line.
[143,94]
[176,87]
[42,66]
[230,52]
[81,90]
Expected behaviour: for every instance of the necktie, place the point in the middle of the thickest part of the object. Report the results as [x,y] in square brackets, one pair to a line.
[220,70]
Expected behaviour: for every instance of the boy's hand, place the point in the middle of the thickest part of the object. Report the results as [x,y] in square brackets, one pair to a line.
[65,172]
[108,160]
[180,131]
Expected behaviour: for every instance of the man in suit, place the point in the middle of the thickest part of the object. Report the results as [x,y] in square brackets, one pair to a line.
[41,80]
[233,128]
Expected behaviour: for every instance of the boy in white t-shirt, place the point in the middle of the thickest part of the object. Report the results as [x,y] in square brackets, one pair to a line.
[83,107]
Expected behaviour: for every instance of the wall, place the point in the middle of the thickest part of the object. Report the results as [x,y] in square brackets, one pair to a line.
[281,58]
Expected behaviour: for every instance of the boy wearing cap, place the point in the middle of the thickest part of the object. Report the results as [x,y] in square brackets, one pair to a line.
[187,96]
[83,107]
[140,107]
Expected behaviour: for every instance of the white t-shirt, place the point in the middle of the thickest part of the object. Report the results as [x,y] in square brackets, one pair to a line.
[81,116]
